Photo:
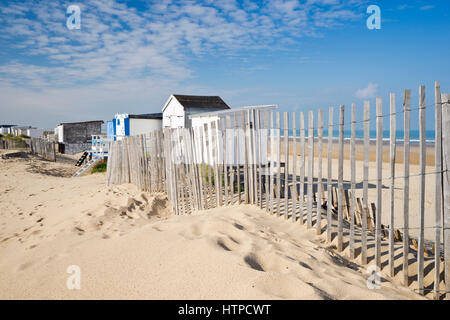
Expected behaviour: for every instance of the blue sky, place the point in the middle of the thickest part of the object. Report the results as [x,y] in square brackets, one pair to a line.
[129,56]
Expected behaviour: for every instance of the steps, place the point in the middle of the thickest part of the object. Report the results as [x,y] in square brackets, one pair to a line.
[82,159]
[87,166]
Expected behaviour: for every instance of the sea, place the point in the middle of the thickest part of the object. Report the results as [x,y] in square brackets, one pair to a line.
[400,134]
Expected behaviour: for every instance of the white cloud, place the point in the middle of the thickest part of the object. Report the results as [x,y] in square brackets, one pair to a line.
[117,40]
[122,48]
[367,93]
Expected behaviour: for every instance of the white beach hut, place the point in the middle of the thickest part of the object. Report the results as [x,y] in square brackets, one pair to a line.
[178,109]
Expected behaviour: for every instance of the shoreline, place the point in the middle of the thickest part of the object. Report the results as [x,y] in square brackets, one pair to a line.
[359,151]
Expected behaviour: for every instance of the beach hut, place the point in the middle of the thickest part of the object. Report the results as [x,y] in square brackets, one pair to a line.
[34,132]
[6,128]
[178,108]
[18,130]
[75,137]
[124,125]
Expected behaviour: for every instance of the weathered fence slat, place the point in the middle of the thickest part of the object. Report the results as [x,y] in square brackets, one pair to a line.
[294,168]
[250,156]
[230,142]
[225,160]
[392,142]
[286,164]
[319,174]
[446,183]
[420,253]
[259,145]
[302,167]
[272,162]
[406,150]
[255,157]
[341,181]
[379,159]
[353,184]
[310,168]
[266,159]
[438,189]
[237,142]
[330,175]
[365,212]
[278,144]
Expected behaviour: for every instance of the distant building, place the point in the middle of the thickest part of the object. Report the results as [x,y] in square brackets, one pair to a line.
[178,108]
[5,128]
[49,135]
[17,131]
[124,125]
[34,132]
[75,137]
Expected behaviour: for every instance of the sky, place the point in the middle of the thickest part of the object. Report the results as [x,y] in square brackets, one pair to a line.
[129,56]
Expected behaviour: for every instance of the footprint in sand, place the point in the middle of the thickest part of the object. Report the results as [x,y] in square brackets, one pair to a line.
[36,232]
[79,230]
[323,294]
[238,226]
[253,262]
[193,232]
[25,266]
[227,243]
[304,265]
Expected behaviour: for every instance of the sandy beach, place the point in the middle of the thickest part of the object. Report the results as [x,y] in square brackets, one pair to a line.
[129,245]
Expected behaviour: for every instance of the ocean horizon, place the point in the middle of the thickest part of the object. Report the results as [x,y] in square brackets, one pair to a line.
[400,134]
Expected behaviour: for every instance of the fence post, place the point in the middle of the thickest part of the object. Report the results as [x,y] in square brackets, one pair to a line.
[310,167]
[379,156]
[278,160]
[272,163]
[446,185]
[294,169]
[392,150]
[406,155]
[421,246]
[329,175]
[302,167]
[353,184]
[438,189]
[286,164]
[319,172]
[340,243]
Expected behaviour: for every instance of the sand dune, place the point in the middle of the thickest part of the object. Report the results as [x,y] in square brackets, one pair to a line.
[128,245]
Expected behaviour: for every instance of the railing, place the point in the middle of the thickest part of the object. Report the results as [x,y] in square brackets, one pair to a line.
[100,146]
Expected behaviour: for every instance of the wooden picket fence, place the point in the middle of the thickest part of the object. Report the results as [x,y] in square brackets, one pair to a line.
[244,158]
[9,144]
[44,149]
[138,160]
